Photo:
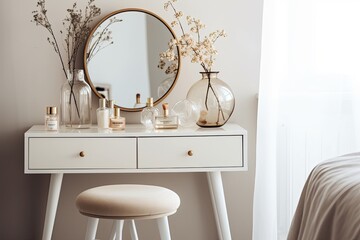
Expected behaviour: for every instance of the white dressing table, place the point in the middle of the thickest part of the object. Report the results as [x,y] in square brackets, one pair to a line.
[136,150]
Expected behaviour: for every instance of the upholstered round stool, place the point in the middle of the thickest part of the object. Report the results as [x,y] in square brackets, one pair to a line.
[127,202]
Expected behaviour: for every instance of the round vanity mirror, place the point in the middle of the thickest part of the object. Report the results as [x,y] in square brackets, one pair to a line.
[122,55]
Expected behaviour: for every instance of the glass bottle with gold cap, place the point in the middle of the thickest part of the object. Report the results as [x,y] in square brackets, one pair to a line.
[148,114]
[117,122]
[102,114]
[166,121]
[51,119]
[138,103]
[111,108]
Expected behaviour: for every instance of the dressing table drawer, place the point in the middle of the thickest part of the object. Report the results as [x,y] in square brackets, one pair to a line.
[82,153]
[190,152]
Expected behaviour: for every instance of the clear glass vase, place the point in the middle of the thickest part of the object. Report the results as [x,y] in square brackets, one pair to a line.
[214,99]
[76,101]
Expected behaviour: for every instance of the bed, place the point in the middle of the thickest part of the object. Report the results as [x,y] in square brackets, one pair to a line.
[329,206]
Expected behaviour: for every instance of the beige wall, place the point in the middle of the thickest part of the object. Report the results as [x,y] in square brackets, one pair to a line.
[31,77]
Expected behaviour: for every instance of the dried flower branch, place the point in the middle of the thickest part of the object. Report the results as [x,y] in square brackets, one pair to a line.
[103,39]
[170,58]
[200,49]
[76,31]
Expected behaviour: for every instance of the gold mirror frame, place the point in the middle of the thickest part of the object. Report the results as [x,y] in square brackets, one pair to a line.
[88,79]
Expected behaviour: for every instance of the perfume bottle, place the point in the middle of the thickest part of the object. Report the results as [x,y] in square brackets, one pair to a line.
[166,121]
[148,114]
[111,108]
[117,122]
[102,114]
[138,103]
[51,119]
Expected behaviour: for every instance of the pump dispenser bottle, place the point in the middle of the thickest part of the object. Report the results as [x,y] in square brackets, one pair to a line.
[102,114]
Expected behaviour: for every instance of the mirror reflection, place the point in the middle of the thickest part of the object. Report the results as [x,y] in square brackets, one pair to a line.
[122,58]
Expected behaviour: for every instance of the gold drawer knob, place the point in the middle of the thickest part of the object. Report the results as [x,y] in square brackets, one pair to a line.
[82,154]
[190,153]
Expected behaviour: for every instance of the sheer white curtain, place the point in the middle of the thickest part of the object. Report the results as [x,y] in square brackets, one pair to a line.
[309,101]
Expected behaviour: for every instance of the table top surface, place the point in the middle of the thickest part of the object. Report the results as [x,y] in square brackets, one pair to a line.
[137,130]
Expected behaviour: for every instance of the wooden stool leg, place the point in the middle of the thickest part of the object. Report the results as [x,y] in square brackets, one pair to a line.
[91,228]
[119,227]
[163,225]
[133,231]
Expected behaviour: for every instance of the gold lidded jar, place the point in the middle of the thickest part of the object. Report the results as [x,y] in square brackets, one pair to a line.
[117,122]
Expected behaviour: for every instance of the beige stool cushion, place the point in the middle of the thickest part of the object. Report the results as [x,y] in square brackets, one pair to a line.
[128,201]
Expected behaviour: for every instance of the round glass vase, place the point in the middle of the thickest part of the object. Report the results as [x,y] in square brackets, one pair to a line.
[214,99]
[76,102]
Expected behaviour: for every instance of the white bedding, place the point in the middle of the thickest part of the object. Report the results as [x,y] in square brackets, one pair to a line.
[329,206]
